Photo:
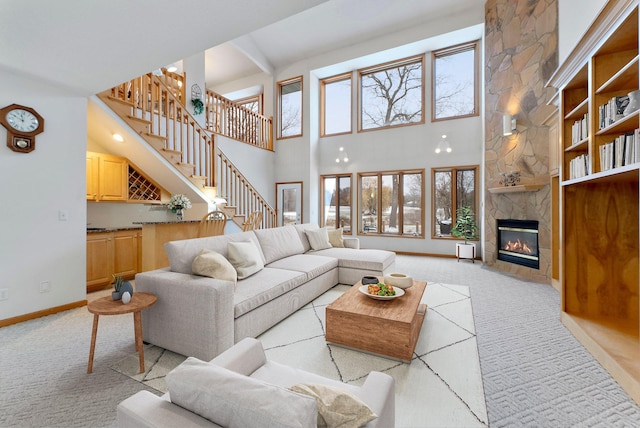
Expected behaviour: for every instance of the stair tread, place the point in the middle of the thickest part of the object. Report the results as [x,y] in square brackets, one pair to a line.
[160,137]
[139,119]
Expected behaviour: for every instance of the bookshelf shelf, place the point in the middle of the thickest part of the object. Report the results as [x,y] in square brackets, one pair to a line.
[579,111]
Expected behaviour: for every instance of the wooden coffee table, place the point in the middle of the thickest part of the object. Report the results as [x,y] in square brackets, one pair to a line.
[385,327]
[108,306]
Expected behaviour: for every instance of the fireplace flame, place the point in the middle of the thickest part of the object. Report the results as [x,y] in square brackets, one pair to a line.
[518,246]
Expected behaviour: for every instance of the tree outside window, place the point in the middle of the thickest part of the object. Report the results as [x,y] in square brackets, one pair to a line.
[335,99]
[455,82]
[290,108]
[392,95]
[453,188]
[336,202]
[391,203]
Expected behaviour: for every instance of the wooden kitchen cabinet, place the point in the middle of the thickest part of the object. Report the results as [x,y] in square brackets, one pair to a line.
[93,165]
[99,260]
[114,177]
[112,253]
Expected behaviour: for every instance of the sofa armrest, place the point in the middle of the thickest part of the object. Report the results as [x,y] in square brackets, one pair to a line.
[245,357]
[193,315]
[379,392]
[350,242]
[145,409]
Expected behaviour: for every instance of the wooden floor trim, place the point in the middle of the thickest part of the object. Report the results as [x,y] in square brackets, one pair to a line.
[43,313]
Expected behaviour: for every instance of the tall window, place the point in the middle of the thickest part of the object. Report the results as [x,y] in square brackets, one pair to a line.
[453,188]
[290,108]
[392,94]
[455,82]
[335,99]
[336,202]
[391,203]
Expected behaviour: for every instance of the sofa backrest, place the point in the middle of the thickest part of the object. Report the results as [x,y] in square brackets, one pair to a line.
[182,253]
[279,242]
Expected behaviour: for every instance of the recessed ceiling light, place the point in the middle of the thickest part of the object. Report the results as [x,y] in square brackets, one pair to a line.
[172,69]
[118,137]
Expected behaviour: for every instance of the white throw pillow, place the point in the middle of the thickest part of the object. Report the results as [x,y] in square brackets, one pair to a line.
[336,407]
[215,265]
[335,238]
[245,258]
[319,238]
[232,400]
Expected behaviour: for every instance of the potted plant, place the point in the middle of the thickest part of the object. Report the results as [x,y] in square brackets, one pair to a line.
[198,106]
[466,228]
[117,286]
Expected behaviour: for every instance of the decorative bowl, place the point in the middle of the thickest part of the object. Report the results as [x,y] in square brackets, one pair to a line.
[398,280]
[366,280]
[364,290]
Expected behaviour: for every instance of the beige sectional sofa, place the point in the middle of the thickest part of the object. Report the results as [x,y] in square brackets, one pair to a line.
[201,317]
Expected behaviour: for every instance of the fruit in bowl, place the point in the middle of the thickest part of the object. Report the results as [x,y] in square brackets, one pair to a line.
[381,289]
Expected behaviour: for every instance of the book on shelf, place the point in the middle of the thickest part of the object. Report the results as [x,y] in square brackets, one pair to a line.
[623,150]
[580,129]
[612,111]
[579,166]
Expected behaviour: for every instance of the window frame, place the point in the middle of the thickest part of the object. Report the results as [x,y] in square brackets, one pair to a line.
[322,206]
[379,175]
[253,98]
[323,83]
[279,85]
[453,50]
[386,66]
[454,177]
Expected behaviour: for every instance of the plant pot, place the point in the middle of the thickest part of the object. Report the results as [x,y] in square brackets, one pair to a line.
[466,251]
[116,295]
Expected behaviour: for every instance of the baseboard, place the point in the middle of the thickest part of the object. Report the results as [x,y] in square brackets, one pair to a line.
[444,256]
[43,313]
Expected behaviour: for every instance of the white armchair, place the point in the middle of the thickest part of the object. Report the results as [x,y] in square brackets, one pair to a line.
[246,358]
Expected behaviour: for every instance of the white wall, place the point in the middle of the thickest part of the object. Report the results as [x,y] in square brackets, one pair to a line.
[34,245]
[574,17]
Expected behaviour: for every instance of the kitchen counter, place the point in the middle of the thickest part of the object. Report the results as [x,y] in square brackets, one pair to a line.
[157,233]
[111,229]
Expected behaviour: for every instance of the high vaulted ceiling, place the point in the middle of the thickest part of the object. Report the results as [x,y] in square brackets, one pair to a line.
[87,46]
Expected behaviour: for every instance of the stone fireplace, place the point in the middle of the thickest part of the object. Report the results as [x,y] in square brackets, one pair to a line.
[521,54]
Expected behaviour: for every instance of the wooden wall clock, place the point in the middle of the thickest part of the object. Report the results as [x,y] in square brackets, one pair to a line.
[23,124]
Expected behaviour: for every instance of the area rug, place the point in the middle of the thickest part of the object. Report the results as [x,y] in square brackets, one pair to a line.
[442,386]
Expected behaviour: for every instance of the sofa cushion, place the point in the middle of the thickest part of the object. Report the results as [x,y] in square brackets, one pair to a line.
[279,242]
[311,264]
[300,228]
[335,238]
[245,258]
[230,399]
[263,287]
[181,253]
[215,265]
[336,407]
[368,259]
[318,239]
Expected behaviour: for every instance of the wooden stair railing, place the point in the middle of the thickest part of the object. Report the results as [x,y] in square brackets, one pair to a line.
[155,111]
[239,193]
[232,120]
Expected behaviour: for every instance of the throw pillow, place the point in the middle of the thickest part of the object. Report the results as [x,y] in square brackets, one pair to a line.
[245,258]
[318,239]
[336,407]
[230,399]
[335,238]
[213,264]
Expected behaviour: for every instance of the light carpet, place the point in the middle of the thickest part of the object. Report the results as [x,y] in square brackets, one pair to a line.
[442,386]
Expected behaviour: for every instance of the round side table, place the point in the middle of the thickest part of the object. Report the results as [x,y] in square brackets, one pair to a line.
[108,306]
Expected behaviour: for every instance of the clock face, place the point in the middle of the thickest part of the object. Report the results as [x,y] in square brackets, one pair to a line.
[22,120]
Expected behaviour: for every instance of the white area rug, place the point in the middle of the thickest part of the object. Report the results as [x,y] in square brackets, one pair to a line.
[442,386]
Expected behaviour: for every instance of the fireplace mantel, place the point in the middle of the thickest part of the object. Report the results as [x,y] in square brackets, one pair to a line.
[516,189]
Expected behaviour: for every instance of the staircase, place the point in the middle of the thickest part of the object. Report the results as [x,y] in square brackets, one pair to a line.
[153,107]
